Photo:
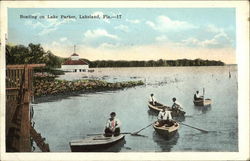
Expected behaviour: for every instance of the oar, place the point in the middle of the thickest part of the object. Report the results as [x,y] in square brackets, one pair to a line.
[133,134]
[203,94]
[205,131]
[136,133]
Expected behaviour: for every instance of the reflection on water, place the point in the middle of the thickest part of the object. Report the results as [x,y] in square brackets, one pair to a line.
[152,113]
[203,109]
[165,144]
[116,147]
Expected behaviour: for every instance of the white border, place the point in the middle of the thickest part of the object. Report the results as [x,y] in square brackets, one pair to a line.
[242,52]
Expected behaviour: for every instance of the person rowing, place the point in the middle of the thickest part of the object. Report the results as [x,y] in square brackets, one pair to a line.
[176,105]
[165,117]
[152,99]
[197,96]
[112,126]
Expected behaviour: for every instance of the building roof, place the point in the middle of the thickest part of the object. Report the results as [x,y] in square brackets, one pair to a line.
[75,62]
[74,54]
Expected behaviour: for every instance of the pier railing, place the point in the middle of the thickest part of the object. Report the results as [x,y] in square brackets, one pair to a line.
[19,93]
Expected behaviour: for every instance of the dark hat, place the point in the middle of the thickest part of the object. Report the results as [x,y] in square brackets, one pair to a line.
[112,113]
[152,94]
[174,99]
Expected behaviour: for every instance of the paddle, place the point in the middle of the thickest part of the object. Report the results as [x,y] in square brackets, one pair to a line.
[203,94]
[205,131]
[136,133]
[133,134]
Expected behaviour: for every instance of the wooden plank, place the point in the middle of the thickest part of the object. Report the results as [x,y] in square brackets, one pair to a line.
[39,140]
[21,66]
[10,109]
[7,79]
[14,88]
[25,122]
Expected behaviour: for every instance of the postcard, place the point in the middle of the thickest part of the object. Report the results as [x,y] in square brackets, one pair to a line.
[124,80]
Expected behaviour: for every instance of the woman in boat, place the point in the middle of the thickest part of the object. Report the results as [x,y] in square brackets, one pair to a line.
[197,96]
[152,99]
[164,117]
[112,126]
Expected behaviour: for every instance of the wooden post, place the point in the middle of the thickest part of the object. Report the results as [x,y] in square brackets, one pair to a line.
[25,122]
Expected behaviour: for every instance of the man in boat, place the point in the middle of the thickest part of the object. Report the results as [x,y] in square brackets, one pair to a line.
[152,99]
[164,117]
[197,96]
[176,105]
[112,126]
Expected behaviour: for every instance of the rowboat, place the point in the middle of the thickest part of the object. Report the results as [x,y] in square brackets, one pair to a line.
[95,143]
[166,131]
[203,102]
[158,107]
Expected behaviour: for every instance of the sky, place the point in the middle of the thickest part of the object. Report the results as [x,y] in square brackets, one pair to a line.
[135,33]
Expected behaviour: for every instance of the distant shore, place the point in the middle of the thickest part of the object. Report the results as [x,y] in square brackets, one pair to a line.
[49,89]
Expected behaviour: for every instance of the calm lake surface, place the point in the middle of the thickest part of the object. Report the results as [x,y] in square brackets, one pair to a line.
[73,118]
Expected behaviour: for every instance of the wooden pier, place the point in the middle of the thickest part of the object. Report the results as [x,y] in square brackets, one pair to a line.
[19,94]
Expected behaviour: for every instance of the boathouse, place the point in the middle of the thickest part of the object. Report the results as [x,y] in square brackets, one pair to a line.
[74,64]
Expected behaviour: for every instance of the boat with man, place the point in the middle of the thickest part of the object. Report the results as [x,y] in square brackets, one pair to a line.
[202,102]
[95,143]
[157,107]
[166,131]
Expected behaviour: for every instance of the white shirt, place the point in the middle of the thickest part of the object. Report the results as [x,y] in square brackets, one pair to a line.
[152,99]
[177,104]
[197,95]
[164,115]
[116,123]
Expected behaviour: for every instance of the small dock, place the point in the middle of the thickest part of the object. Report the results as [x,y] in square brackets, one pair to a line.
[19,94]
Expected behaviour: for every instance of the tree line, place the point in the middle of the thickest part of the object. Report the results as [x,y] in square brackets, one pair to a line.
[35,54]
[153,63]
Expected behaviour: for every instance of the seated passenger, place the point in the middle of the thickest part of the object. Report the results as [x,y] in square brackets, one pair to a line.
[165,118]
[112,126]
[176,105]
[197,96]
[152,99]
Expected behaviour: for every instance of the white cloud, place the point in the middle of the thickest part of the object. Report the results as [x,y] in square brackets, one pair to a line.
[108,46]
[161,38]
[122,27]
[47,30]
[34,24]
[192,41]
[213,29]
[165,24]
[93,34]
[219,40]
[53,24]
[47,25]
[133,21]
[63,39]
[55,44]
[151,24]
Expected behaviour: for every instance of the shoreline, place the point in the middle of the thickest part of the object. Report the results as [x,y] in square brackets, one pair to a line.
[51,98]
[48,90]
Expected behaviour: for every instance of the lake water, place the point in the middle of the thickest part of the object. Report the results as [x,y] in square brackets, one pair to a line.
[73,118]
